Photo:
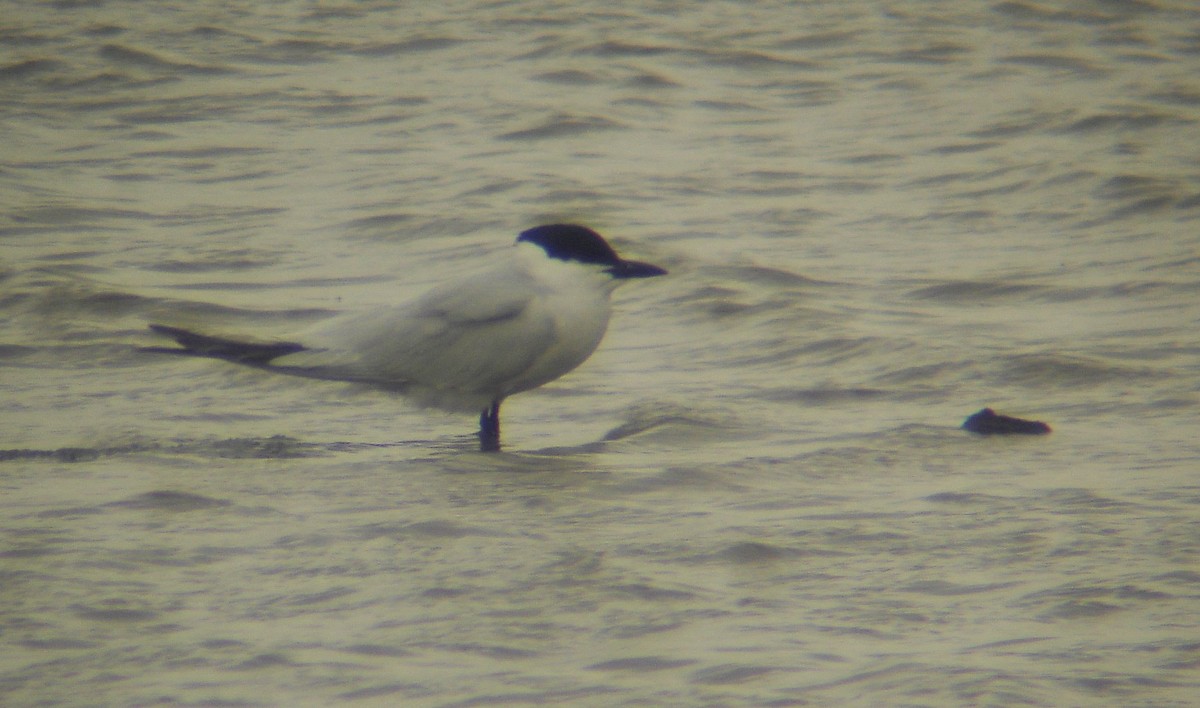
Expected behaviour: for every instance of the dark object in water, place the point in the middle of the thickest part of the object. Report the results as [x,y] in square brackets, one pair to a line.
[988,422]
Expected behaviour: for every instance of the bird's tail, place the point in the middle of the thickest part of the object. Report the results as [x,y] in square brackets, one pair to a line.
[195,344]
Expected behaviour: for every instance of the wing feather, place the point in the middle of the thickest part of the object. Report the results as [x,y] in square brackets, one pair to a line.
[470,339]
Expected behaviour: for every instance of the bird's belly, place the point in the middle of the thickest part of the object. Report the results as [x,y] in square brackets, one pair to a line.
[577,334]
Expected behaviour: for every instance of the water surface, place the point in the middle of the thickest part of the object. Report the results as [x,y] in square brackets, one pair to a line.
[878,219]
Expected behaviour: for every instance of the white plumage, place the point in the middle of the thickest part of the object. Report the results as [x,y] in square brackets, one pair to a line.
[463,345]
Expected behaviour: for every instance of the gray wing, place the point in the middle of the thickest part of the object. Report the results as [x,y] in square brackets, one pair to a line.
[470,338]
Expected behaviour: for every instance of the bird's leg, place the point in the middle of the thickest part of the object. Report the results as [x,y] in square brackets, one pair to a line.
[489,428]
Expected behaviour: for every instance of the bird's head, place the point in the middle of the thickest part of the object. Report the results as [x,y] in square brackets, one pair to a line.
[579,244]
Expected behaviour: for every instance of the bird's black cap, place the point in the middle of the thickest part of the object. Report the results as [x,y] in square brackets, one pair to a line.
[571,242]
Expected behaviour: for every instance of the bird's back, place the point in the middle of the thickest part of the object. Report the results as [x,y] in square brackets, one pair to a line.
[463,345]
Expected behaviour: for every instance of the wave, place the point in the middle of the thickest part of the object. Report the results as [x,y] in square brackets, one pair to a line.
[274,447]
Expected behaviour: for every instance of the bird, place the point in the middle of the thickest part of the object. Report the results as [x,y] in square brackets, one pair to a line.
[525,321]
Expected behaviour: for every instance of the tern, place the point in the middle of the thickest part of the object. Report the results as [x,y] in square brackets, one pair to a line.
[463,345]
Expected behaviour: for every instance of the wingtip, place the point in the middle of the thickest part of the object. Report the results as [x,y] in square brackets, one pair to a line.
[196,344]
[165,329]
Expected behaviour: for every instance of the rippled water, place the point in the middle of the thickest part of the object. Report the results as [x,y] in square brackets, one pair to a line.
[878,218]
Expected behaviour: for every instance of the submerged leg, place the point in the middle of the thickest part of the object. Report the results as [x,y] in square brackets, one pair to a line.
[489,428]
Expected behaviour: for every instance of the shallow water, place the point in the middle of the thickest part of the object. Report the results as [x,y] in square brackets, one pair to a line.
[878,219]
